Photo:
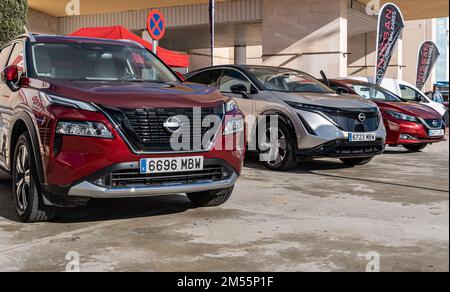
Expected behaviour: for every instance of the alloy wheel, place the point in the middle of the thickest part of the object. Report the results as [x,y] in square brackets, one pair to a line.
[23,180]
[277,143]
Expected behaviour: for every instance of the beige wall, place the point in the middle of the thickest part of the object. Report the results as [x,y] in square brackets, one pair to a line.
[39,22]
[404,61]
[306,26]
[361,61]
[416,32]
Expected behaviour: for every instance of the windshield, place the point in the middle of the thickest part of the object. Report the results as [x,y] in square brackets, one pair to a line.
[376,93]
[97,62]
[285,80]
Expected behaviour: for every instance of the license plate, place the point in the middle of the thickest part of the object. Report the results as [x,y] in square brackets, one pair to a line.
[167,165]
[362,137]
[436,133]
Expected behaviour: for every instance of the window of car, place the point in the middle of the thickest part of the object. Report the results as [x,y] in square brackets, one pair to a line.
[372,92]
[208,77]
[409,93]
[98,62]
[286,80]
[4,55]
[16,57]
[233,77]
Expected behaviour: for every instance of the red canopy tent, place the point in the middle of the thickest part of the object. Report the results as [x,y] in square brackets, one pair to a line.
[171,58]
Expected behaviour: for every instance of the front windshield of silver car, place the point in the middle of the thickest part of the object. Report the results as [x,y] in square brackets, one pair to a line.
[285,80]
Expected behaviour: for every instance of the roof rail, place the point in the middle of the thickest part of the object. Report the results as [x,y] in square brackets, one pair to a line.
[30,35]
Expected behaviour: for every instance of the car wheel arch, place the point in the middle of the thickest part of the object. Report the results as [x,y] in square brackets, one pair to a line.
[22,122]
[284,118]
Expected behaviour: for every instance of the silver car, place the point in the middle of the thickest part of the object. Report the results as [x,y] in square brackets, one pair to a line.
[313,121]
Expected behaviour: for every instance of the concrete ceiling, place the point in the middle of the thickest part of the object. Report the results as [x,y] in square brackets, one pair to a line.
[412,9]
[419,9]
[58,7]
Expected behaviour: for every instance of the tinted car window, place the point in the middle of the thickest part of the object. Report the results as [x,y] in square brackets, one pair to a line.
[209,77]
[408,93]
[287,80]
[4,54]
[233,77]
[97,62]
[370,92]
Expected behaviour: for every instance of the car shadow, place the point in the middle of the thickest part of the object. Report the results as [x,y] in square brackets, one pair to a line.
[304,166]
[101,209]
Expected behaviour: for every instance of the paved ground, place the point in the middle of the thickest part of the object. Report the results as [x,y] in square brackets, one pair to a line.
[320,217]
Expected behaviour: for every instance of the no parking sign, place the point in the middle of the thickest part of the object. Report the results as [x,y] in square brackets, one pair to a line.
[156,26]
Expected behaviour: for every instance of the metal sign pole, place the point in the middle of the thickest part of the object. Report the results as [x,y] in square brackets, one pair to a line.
[155,47]
[212,20]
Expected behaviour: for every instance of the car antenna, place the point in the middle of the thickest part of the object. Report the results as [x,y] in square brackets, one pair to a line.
[325,79]
[32,38]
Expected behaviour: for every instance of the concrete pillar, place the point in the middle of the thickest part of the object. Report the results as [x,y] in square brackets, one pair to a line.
[240,55]
[42,23]
[309,35]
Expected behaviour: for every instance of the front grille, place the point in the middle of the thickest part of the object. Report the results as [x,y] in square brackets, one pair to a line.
[144,128]
[348,120]
[434,123]
[357,150]
[132,177]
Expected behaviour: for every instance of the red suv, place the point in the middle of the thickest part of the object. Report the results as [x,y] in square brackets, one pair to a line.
[412,125]
[88,118]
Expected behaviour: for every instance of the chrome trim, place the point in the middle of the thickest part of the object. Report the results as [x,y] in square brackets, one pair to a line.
[424,123]
[89,190]
[137,152]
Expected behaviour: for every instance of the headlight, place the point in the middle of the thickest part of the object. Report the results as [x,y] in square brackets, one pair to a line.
[85,129]
[231,106]
[234,125]
[67,102]
[404,117]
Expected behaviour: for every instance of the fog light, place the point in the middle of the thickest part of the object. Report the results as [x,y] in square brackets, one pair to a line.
[407,137]
[234,126]
[100,182]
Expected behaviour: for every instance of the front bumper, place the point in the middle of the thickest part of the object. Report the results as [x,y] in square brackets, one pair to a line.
[90,190]
[345,149]
[417,133]
[316,131]
[124,180]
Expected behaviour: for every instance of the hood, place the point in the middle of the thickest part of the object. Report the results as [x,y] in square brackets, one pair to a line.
[345,101]
[137,94]
[410,108]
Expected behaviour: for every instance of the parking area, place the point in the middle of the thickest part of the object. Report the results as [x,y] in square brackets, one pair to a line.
[321,217]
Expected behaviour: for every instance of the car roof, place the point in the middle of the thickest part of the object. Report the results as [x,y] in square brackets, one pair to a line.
[243,68]
[76,39]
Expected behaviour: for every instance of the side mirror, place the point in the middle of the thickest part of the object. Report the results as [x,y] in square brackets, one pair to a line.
[10,76]
[181,76]
[239,89]
[342,90]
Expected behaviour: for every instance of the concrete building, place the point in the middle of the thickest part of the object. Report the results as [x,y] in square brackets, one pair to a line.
[337,36]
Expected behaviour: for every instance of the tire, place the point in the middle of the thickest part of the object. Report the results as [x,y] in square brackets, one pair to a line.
[28,197]
[286,158]
[415,147]
[356,161]
[210,198]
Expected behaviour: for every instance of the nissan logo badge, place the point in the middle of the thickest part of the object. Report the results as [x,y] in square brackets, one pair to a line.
[361,117]
[173,124]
